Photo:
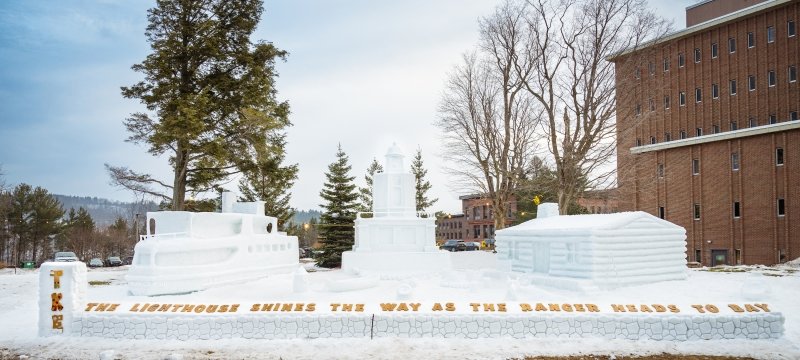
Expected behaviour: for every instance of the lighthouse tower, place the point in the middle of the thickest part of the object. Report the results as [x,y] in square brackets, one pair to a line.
[394,239]
[393,193]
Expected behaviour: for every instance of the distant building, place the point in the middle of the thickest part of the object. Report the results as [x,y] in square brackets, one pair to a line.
[476,224]
[600,201]
[708,133]
[451,227]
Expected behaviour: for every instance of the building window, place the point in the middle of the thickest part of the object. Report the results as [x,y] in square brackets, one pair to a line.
[773,119]
[682,134]
[637,73]
[736,210]
[666,102]
[779,157]
[667,137]
[715,91]
[638,142]
[698,132]
[638,110]
[735,161]
[682,98]
[752,122]
[652,140]
[476,230]
[770,34]
[771,78]
[734,126]
[733,87]
[714,129]
[695,166]
[731,45]
[697,256]
[661,212]
[714,50]
[697,55]
[751,40]
[698,95]
[790,30]
[751,82]
[781,207]
[697,211]
[652,68]
[660,171]
[666,64]
[681,60]
[652,105]
[793,115]
[792,73]
[738,255]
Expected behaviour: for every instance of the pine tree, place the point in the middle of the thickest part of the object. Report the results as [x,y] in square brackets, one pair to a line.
[270,182]
[365,193]
[210,96]
[422,186]
[34,217]
[338,217]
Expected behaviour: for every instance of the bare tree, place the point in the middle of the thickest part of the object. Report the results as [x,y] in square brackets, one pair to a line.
[486,117]
[567,72]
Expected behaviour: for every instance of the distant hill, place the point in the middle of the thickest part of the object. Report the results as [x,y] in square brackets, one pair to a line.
[303,216]
[104,211]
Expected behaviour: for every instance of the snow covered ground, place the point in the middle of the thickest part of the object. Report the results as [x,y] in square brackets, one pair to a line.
[779,287]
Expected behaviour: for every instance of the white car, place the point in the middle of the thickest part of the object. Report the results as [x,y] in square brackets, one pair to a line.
[65,256]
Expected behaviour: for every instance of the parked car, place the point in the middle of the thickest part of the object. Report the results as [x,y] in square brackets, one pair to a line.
[454,245]
[65,256]
[114,261]
[472,246]
[96,262]
[128,260]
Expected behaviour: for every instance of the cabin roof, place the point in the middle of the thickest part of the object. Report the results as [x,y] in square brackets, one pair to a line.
[589,222]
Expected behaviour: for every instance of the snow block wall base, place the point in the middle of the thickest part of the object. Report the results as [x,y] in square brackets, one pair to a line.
[291,326]
[62,295]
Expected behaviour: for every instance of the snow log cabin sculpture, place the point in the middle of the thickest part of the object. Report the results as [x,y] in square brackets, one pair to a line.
[186,251]
[586,252]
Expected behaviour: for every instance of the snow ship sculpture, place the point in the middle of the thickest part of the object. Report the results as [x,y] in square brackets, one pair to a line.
[395,240]
[185,251]
[589,252]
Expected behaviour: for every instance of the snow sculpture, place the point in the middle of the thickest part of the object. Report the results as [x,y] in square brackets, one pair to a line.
[62,295]
[602,251]
[185,251]
[396,240]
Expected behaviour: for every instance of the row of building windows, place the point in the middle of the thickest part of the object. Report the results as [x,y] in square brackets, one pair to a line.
[791,31]
[451,225]
[732,126]
[779,161]
[780,210]
[772,80]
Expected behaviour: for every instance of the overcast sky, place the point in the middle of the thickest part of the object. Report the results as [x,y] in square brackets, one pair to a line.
[361,73]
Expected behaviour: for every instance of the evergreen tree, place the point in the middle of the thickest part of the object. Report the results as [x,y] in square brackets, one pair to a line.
[422,186]
[79,234]
[34,218]
[270,181]
[365,193]
[338,217]
[210,97]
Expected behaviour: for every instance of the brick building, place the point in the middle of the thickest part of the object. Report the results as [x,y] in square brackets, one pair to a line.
[600,201]
[708,135]
[451,227]
[476,223]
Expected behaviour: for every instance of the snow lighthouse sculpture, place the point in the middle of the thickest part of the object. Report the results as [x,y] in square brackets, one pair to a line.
[396,240]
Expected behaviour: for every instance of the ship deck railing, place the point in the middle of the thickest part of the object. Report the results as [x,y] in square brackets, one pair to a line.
[164,236]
